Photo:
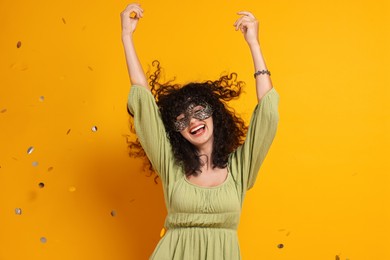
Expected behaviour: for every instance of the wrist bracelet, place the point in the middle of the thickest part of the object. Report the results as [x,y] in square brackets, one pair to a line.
[262,72]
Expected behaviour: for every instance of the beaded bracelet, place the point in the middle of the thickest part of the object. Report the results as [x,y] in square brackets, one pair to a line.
[262,72]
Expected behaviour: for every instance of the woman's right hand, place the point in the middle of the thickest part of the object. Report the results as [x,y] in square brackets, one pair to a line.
[129,17]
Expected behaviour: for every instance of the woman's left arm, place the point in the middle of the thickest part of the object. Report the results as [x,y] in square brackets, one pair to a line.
[249,26]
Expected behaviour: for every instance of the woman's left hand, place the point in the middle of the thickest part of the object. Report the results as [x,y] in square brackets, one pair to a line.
[249,26]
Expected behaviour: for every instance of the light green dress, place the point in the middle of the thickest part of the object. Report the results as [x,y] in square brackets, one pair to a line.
[202,222]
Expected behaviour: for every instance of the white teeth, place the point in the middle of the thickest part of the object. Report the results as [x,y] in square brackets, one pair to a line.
[197,128]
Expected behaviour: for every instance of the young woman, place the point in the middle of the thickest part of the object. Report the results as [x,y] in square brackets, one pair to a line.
[196,145]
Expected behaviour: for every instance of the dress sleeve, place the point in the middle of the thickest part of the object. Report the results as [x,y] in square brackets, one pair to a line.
[150,129]
[248,158]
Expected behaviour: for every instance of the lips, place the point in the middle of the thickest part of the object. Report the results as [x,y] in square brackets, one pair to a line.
[197,130]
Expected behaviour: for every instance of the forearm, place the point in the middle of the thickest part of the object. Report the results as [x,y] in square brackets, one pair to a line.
[134,67]
[263,81]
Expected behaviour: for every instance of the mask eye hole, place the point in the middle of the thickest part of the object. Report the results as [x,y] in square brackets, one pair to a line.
[180,117]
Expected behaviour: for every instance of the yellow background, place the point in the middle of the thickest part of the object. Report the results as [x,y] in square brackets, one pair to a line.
[323,189]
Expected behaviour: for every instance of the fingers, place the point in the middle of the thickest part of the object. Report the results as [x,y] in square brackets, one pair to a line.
[246,19]
[246,13]
[242,23]
[133,11]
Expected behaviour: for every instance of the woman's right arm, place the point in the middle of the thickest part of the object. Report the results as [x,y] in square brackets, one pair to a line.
[130,17]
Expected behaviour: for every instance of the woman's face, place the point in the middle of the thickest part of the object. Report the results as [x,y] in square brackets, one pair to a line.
[196,124]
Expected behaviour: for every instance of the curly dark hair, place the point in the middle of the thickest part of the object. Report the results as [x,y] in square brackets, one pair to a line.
[172,99]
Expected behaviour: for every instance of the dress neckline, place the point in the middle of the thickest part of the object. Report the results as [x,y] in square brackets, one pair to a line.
[210,187]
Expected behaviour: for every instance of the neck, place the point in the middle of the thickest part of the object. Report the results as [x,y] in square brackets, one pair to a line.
[205,152]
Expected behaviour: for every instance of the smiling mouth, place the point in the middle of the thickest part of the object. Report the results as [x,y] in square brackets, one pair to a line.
[198,130]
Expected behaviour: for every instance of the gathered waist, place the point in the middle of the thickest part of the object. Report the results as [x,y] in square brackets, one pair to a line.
[203,220]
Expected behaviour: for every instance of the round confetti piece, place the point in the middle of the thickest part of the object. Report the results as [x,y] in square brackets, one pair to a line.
[72,189]
[113,213]
[94,129]
[19,44]
[280,246]
[43,240]
[18,211]
[50,169]
[41,98]
[30,150]
[41,185]
[35,164]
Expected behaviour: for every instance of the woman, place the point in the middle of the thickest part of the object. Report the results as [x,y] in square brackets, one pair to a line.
[196,146]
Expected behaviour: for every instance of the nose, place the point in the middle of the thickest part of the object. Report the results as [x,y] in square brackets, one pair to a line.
[193,121]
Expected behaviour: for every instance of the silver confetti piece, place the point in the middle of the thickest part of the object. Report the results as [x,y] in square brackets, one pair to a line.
[35,164]
[94,129]
[18,211]
[43,240]
[30,150]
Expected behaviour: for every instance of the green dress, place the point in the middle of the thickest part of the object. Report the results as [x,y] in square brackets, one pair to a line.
[202,221]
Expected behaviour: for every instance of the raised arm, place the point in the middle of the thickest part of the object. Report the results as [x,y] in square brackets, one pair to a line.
[130,17]
[249,26]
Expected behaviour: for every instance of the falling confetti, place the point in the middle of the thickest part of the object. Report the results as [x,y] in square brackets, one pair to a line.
[19,44]
[72,189]
[68,131]
[162,233]
[3,110]
[43,240]
[41,98]
[90,68]
[30,149]
[280,246]
[63,20]
[19,66]
[50,169]
[35,164]
[18,211]
[337,257]
[94,129]
[41,185]
[113,213]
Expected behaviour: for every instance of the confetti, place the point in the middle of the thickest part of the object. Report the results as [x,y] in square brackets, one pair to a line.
[18,211]
[41,98]
[94,129]
[72,189]
[68,132]
[30,149]
[50,169]
[280,246]
[162,233]
[90,68]
[19,44]
[63,20]
[337,257]
[35,164]
[113,213]
[41,185]
[43,240]
[4,110]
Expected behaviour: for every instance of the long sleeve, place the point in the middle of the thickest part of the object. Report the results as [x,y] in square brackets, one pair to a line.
[150,130]
[248,158]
